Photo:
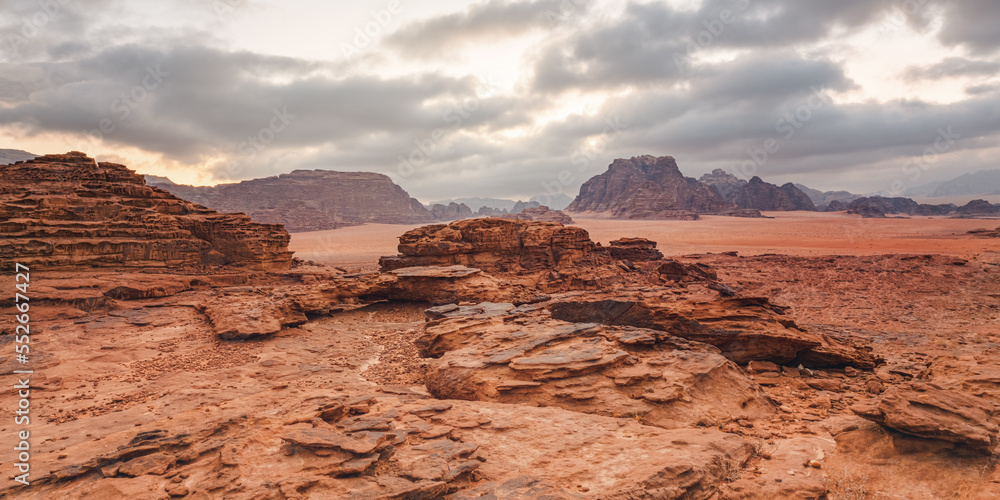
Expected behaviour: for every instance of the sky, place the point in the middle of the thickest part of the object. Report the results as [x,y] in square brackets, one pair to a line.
[509,99]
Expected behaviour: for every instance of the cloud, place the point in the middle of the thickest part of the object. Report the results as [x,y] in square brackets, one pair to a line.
[954,67]
[485,21]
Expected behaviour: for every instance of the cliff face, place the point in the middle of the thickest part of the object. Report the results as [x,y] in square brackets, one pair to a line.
[68,211]
[311,200]
[647,187]
[758,194]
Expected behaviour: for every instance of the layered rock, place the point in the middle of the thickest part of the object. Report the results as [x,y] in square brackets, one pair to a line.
[646,187]
[493,245]
[496,352]
[634,249]
[757,194]
[69,211]
[451,211]
[929,412]
[744,329]
[310,200]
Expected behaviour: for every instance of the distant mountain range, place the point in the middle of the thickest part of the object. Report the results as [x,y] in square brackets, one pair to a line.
[981,182]
[8,156]
[555,202]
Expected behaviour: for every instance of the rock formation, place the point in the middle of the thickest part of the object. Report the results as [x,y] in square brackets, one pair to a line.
[453,211]
[645,187]
[986,233]
[931,412]
[757,194]
[634,250]
[310,200]
[978,208]
[493,244]
[68,211]
[981,182]
[542,214]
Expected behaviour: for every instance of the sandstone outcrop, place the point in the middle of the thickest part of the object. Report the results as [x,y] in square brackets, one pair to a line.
[744,329]
[496,352]
[68,211]
[310,200]
[634,250]
[646,187]
[931,412]
[493,245]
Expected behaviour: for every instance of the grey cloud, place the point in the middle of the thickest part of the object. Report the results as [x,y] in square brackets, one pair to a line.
[482,21]
[972,23]
[955,67]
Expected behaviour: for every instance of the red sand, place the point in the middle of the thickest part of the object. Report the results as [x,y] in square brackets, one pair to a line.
[790,233]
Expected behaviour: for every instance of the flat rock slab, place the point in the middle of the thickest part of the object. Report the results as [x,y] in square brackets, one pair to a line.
[929,412]
[443,272]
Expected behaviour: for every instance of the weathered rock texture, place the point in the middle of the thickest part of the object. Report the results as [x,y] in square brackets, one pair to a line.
[931,412]
[69,211]
[310,200]
[757,194]
[646,187]
[496,352]
[493,245]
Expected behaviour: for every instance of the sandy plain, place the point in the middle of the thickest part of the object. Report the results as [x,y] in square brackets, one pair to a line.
[787,233]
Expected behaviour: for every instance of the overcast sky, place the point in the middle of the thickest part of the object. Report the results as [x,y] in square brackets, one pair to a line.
[509,98]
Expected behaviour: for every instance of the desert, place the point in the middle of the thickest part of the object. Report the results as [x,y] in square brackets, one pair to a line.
[500,250]
[800,355]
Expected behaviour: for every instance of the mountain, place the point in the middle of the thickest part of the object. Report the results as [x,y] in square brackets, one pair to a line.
[8,156]
[821,198]
[757,194]
[981,182]
[647,187]
[310,200]
[497,203]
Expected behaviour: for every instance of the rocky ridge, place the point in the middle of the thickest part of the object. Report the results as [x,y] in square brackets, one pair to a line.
[647,187]
[69,211]
[310,200]
[757,194]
